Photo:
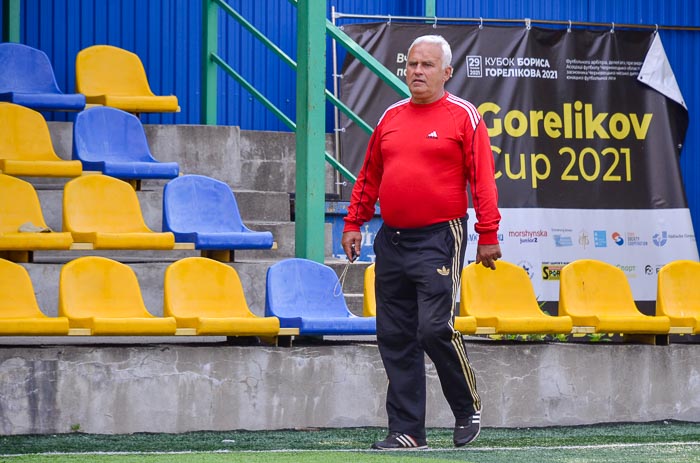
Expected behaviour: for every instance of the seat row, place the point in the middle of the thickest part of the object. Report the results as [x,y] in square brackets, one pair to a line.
[104,74]
[594,297]
[106,140]
[202,297]
[102,212]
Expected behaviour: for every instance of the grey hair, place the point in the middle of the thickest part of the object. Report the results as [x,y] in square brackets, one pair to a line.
[437,40]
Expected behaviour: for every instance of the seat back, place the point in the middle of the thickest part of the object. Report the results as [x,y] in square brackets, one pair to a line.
[369,299]
[24,134]
[102,133]
[24,69]
[504,292]
[17,299]
[93,286]
[200,287]
[195,203]
[99,203]
[678,292]
[19,204]
[108,70]
[304,288]
[592,287]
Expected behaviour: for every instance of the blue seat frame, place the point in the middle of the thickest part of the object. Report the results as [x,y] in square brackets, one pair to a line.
[114,142]
[307,295]
[27,79]
[204,211]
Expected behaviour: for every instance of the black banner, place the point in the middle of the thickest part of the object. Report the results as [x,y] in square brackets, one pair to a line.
[571,124]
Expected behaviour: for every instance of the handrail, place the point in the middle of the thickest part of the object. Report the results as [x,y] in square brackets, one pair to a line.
[365,58]
[311,45]
[291,63]
[283,117]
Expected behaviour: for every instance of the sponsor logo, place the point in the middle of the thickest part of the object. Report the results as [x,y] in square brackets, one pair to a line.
[600,239]
[648,270]
[583,239]
[552,270]
[635,240]
[630,270]
[686,236]
[474,66]
[527,266]
[617,238]
[660,239]
[444,271]
[562,240]
[527,236]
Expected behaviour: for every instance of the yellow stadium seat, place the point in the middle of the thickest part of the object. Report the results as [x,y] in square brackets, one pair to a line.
[104,296]
[597,295]
[19,312]
[207,295]
[464,324]
[19,207]
[504,299]
[26,148]
[105,212]
[112,76]
[678,295]
[369,301]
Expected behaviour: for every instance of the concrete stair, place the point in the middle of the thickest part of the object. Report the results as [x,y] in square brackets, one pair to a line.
[259,167]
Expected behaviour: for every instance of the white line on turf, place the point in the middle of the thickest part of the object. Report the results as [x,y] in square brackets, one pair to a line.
[468,449]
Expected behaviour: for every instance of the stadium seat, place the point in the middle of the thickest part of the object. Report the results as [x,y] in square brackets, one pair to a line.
[463,324]
[308,296]
[369,299]
[597,295]
[105,212]
[504,299]
[203,211]
[26,148]
[113,142]
[27,79]
[104,296]
[112,76]
[19,210]
[208,296]
[678,295]
[19,312]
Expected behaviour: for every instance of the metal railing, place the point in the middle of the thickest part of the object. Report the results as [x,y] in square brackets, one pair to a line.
[309,222]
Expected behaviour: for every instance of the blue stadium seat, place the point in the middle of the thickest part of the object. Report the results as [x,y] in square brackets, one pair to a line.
[307,295]
[113,141]
[27,79]
[203,211]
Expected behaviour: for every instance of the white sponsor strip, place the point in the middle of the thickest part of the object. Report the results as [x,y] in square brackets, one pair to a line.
[639,242]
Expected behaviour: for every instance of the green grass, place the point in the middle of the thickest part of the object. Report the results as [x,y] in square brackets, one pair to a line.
[671,442]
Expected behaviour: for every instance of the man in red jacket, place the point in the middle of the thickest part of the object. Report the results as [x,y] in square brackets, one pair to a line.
[421,156]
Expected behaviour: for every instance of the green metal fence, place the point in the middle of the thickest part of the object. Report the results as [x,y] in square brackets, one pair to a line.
[311,95]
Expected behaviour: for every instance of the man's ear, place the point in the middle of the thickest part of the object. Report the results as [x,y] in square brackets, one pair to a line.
[448,73]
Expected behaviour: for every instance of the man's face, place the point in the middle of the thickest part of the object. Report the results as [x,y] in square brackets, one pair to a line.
[424,73]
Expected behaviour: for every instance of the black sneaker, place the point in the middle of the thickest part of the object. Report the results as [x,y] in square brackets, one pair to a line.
[400,441]
[467,430]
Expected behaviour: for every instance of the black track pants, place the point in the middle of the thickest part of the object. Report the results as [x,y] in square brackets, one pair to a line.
[417,277]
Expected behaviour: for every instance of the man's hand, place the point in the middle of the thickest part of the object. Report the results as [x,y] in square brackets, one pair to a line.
[487,254]
[351,242]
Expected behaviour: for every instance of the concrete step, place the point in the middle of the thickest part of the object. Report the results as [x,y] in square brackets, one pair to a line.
[260,206]
[282,232]
[245,160]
